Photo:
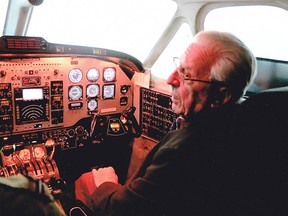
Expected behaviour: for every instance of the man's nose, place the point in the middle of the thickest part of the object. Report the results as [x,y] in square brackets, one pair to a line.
[173,79]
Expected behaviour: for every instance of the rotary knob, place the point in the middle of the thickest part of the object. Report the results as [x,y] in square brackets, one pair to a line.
[3,73]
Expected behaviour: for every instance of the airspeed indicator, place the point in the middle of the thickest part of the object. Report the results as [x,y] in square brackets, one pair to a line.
[109,74]
[75,75]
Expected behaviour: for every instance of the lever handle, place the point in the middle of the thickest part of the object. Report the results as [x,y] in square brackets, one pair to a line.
[129,118]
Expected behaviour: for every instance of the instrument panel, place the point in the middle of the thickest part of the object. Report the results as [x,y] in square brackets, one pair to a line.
[50,92]
[64,109]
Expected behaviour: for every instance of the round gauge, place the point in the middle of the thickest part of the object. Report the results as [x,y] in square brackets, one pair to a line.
[39,152]
[92,90]
[75,93]
[109,74]
[92,105]
[93,74]
[108,91]
[24,155]
[75,75]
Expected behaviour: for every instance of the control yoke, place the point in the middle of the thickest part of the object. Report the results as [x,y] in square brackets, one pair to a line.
[129,121]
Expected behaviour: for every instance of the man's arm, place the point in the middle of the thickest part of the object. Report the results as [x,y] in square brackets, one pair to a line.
[153,187]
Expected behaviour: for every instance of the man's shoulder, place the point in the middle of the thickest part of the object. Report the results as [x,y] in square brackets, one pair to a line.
[177,138]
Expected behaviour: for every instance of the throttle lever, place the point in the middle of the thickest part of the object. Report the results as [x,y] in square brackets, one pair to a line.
[95,117]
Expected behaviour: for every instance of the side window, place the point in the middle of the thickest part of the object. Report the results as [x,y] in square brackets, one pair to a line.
[3,8]
[164,66]
[262,28]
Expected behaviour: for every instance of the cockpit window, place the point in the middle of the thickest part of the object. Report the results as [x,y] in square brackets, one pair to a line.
[3,8]
[262,28]
[129,26]
[164,66]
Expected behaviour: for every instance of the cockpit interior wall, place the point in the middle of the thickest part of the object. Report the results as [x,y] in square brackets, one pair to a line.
[64,109]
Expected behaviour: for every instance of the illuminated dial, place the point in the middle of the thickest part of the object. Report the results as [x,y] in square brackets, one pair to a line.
[75,75]
[93,74]
[109,74]
[92,90]
[75,92]
[39,152]
[24,155]
[108,91]
[92,105]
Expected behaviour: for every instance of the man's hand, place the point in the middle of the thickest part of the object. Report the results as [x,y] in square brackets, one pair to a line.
[106,174]
[84,188]
[88,182]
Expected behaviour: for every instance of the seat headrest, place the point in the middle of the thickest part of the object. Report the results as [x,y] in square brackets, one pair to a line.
[271,103]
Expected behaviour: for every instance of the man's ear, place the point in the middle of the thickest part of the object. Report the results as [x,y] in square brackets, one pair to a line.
[223,96]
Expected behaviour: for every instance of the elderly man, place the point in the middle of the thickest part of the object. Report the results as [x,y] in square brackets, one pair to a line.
[187,172]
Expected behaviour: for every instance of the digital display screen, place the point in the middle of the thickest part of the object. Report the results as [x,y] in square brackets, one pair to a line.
[32,94]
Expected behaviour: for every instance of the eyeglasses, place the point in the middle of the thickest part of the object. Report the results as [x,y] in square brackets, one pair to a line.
[186,76]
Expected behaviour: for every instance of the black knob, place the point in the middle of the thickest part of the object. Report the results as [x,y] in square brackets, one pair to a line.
[2,73]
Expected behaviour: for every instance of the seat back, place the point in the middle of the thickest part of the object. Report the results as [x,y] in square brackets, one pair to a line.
[260,154]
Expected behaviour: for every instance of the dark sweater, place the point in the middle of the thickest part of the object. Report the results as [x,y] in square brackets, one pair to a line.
[186,173]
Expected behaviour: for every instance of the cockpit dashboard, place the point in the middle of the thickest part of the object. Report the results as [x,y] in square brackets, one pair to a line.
[64,110]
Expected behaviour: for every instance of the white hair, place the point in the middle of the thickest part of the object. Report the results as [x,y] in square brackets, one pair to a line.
[234,64]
